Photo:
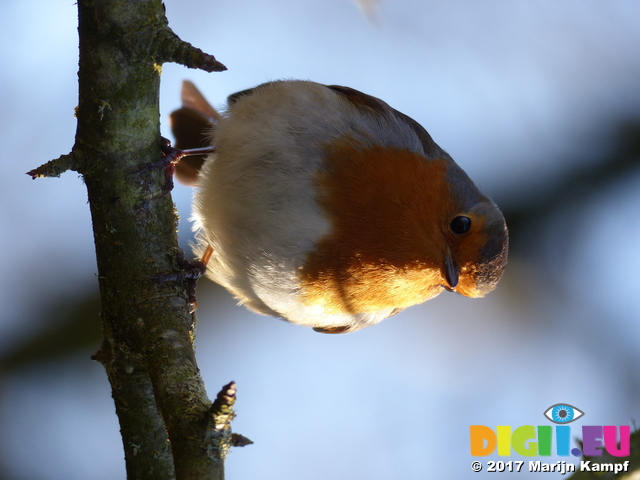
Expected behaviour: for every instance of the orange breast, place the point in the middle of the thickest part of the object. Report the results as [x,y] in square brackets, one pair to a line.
[387,246]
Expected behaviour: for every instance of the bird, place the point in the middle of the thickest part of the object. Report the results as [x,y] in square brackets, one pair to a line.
[326,207]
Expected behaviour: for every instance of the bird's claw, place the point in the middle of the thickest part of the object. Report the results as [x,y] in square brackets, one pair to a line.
[189,271]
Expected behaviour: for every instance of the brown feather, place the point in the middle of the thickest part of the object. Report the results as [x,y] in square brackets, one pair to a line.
[192,126]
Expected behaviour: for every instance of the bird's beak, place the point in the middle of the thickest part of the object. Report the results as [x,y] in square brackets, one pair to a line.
[451,270]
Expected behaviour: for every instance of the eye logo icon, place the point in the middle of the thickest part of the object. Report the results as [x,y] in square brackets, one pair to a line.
[562,413]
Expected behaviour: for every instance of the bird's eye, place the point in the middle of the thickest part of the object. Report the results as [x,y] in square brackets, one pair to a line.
[460,224]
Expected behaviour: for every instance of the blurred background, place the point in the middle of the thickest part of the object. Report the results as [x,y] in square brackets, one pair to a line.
[538,101]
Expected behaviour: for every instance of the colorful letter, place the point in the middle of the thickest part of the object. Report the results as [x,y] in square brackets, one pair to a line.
[504,440]
[479,434]
[544,440]
[522,435]
[563,440]
[592,441]
[611,442]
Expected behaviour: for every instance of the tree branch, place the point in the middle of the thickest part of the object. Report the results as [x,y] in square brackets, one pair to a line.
[148,329]
[54,168]
[173,49]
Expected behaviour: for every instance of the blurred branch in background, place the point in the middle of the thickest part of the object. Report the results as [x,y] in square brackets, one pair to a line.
[586,179]
[74,328]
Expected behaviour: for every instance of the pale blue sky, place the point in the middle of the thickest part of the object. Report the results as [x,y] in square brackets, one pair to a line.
[508,88]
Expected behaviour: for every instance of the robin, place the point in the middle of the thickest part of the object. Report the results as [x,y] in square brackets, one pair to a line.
[328,208]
